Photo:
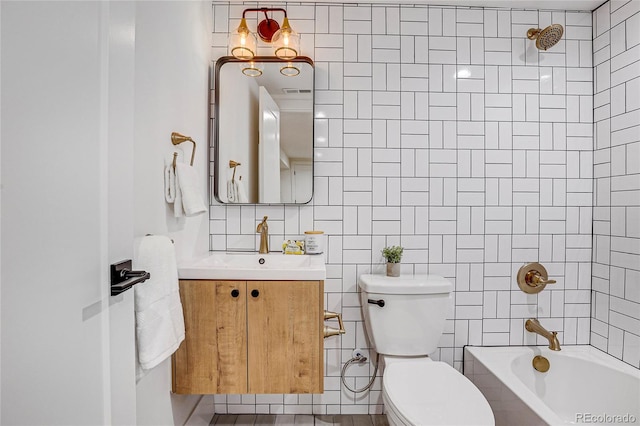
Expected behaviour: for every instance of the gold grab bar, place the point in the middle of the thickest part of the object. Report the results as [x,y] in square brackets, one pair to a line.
[177,138]
[330,331]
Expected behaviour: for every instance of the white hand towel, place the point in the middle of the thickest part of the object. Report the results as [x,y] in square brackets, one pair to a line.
[178,211]
[169,183]
[187,184]
[158,309]
[242,194]
[232,191]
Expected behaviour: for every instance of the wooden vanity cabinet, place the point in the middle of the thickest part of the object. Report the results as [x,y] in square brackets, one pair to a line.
[250,337]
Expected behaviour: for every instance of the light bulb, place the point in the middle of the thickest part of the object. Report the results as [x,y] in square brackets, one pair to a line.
[286,42]
[242,43]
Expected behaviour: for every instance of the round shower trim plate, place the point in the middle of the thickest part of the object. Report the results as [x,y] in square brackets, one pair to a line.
[522,277]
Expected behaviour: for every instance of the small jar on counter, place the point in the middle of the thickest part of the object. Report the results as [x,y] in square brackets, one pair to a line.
[314,242]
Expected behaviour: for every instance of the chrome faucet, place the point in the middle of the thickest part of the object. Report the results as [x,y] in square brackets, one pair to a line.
[263,229]
[534,326]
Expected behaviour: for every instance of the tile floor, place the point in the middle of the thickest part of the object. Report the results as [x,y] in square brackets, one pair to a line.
[299,420]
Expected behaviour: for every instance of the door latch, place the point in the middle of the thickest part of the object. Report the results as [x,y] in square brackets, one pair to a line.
[123,278]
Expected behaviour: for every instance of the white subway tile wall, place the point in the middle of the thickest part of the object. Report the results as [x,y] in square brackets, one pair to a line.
[616,228]
[446,131]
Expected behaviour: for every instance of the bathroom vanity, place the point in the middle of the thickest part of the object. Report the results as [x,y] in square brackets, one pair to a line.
[249,336]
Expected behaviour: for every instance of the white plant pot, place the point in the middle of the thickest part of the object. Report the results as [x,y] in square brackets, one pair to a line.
[393,269]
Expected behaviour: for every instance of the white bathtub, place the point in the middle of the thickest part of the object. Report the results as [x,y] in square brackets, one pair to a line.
[583,385]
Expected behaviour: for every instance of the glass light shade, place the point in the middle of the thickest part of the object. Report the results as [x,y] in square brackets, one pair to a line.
[289,70]
[242,43]
[286,41]
[252,69]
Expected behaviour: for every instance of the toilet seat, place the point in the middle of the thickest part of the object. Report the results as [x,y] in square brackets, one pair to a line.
[424,392]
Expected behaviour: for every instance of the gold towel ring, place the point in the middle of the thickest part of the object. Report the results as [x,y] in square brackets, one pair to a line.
[233,165]
[177,138]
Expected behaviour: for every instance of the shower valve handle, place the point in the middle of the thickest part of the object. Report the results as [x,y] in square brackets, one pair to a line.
[533,278]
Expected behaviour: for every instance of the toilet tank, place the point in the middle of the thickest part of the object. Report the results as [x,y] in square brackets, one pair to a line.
[413,316]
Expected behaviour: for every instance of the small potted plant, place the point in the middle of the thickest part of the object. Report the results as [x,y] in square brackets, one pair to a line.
[393,254]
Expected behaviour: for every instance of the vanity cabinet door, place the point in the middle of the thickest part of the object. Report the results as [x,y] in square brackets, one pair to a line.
[285,340]
[213,356]
[250,337]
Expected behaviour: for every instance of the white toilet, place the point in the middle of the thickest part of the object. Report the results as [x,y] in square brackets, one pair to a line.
[405,318]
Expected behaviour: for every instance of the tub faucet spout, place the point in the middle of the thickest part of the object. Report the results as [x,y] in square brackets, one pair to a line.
[263,229]
[534,326]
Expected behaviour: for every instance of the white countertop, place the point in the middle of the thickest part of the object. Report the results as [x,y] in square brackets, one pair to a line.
[254,266]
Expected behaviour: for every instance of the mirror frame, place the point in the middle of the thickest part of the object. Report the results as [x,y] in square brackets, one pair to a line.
[216,132]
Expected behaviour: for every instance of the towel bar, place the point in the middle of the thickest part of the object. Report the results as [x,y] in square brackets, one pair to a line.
[148,235]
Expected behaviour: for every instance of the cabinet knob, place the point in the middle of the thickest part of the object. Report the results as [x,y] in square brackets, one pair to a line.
[255,293]
[235,292]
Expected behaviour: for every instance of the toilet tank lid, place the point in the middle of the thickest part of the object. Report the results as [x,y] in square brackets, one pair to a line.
[404,284]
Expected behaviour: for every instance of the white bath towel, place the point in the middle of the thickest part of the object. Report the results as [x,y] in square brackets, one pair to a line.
[189,190]
[158,309]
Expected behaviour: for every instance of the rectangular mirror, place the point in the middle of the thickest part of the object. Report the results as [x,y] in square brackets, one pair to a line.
[263,131]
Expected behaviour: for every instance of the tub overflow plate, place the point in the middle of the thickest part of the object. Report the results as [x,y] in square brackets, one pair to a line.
[540,363]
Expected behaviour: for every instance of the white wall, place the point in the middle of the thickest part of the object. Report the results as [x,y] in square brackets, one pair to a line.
[446,131]
[0,210]
[616,262]
[171,94]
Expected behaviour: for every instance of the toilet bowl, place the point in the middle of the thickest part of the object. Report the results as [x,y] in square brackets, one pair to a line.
[404,318]
[425,392]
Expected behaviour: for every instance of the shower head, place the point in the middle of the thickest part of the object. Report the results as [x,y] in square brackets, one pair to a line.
[546,38]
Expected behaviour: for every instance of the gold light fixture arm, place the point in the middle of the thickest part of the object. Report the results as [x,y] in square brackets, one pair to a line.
[286,41]
[177,138]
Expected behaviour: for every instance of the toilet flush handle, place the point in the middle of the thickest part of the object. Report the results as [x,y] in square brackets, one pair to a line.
[376,302]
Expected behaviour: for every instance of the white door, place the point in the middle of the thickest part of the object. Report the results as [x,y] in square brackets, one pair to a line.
[302,182]
[67,125]
[269,149]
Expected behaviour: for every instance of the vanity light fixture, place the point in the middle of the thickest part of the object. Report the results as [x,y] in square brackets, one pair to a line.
[242,42]
[286,42]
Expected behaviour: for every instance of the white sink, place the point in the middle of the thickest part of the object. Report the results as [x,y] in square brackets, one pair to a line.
[254,266]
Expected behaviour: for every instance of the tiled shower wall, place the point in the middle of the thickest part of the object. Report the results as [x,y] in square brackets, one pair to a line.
[446,131]
[616,240]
